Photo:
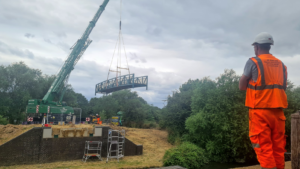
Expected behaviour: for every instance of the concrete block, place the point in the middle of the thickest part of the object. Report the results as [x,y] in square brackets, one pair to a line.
[47,132]
[98,132]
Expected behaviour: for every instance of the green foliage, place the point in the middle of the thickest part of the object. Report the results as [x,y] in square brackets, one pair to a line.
[19,83]
[293,95]
[3,120]
[178,109]
[186,155]
[102,114]
[219,122]
[136,110]
[212,115]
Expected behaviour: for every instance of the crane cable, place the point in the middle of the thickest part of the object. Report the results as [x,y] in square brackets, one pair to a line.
[120,41]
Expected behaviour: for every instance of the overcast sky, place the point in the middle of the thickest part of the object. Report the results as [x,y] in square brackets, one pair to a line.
[171,41]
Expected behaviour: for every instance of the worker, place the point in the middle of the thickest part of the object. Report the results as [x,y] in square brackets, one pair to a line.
[265,79]
[98,119]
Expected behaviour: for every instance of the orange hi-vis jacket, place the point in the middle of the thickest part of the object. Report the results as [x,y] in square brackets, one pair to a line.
[269,89]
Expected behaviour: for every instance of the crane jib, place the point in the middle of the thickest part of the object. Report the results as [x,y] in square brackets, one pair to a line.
[52,101]
[59,84]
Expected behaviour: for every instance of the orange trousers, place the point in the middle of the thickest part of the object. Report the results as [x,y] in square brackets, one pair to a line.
[267,136]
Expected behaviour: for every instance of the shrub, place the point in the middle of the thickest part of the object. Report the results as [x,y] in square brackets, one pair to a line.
[3,120]
[186,155]
[149,125]
[219,123]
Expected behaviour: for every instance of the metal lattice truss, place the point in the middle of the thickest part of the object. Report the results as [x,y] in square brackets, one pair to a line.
[121,82]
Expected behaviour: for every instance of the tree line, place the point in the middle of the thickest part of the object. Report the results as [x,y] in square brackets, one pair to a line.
[19,83]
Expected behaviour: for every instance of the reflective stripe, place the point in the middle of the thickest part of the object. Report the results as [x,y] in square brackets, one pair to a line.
[268,168]
[261,68]
[262,87]
[255,145]
[284,77]
[262,77]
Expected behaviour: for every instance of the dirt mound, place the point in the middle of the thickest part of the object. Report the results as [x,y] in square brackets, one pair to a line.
[8,129]
[8,132]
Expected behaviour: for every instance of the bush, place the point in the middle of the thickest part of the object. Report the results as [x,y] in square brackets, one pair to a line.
[3,120]
[186,155]
[150,125]
[219,123]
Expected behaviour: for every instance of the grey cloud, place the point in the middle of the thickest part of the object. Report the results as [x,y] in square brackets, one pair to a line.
[65,47]
[60,34]
[16,51]
[155,31]
[137,59]
[48,41]
[226,25]
[28,35]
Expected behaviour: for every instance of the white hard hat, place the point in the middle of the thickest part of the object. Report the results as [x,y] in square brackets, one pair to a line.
[263,37]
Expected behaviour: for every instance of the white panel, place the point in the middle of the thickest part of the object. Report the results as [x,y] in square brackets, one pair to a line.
[47,133]
[98,132]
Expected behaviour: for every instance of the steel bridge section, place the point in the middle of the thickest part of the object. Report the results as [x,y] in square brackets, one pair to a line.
[121,82]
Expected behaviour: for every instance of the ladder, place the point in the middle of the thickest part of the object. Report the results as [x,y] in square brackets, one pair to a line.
[92,149]
[115,144]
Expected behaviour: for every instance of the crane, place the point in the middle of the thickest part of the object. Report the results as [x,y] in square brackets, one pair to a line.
[52,102]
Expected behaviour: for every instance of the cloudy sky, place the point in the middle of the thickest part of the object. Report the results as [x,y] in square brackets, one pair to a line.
[171,41]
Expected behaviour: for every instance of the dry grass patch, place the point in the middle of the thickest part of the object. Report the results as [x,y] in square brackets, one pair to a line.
[8,132]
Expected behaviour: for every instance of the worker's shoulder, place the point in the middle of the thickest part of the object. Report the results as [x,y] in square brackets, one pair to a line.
[279,60]
[250,62]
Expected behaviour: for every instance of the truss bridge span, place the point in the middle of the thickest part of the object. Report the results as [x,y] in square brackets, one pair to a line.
[121,82]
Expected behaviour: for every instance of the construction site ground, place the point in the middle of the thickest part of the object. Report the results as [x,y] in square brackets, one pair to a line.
[154,146]
[154,143]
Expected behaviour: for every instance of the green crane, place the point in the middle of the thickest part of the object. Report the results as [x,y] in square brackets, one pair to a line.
[52,101]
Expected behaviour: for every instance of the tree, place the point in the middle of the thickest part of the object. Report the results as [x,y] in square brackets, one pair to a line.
[3,120]
[82,102]
[178,109]
[18,83]
[136,110]
[293,96]
[219,122]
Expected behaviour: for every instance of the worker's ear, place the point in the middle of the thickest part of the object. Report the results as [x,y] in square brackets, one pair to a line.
[256,50]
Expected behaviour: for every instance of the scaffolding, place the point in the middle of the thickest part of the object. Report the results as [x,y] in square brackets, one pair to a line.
[92,149]
[115,144]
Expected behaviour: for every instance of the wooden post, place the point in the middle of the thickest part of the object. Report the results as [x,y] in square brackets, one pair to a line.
[295,139]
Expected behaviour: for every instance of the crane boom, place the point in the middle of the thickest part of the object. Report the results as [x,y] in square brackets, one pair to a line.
[60,83]
[52,101]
